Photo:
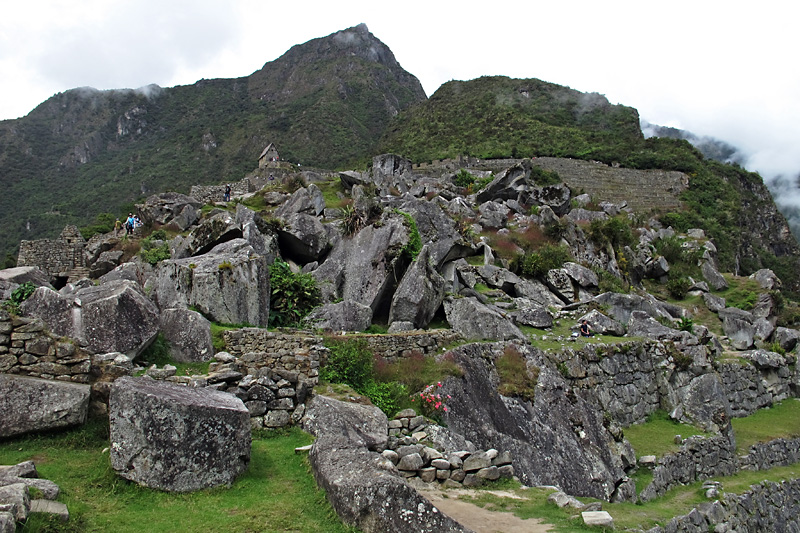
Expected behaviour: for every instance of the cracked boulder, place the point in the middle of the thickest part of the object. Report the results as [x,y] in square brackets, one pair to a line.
[475,320]
[175,438]
[364,488]
[229,285]
[188,334]
[419,294]
[32,405]
[113,317]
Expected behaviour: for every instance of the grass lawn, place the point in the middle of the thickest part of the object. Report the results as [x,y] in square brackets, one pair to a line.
[276,493]
[657,435]
[780,421]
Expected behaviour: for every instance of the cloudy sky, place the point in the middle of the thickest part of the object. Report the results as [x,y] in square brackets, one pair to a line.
[727,69]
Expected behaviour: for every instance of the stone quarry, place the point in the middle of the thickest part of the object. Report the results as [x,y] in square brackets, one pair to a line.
[73,348]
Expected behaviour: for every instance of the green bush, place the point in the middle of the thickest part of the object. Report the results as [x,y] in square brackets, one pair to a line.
[414,245]
[686,324]
[390,397]
[544,177]
[615,231]
[155,247]
[350,361]
[17,296]
[293,295]
[463,179]
[536,264]
[678,287]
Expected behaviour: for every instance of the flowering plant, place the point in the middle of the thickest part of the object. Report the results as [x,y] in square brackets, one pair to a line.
[431,402]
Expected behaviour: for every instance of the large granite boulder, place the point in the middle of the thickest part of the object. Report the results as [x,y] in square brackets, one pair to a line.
[22,274]
[475,320]
[213,231]
[230,284]
[620,306]
[176,438]
[419,294]
[532,315]
[341,316]
[581,275]
[538,292]
[643,325]
[787,338]
[105,263]
[305,238]
[362,268]
[363,487]
[188,334]
[767,279]
[508,184]
[30,405]
[112,317]
[308,200]
[715,280]
[557,437]
[738,326]
[257,232]
[161,209]
[703,402]
[438,231]
[601,324]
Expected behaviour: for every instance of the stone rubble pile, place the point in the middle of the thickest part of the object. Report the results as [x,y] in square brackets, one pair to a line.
[453,469]
[15,498]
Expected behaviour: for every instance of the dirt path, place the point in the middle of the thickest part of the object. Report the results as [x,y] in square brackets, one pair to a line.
[479,519]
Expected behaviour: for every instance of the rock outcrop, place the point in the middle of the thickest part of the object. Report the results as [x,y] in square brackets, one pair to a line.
[363,487]
[229,284]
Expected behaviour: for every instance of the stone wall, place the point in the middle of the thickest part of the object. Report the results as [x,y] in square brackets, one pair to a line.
[703,458]
[766,455]
[628,380]
[27,349]
[643,190]
[634,379]
[765,507]
[215,193]
[395,347]
[55,257]
[699,458]
[300,353]
[750,388]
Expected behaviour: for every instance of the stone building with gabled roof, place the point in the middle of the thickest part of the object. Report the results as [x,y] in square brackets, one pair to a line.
[269,157]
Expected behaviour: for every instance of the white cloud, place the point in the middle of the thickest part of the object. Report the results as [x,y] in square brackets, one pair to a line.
[724,69]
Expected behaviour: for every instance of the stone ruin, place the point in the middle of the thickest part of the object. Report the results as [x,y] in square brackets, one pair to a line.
[62,259]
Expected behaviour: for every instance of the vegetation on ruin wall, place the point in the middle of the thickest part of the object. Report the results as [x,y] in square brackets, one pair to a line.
[390,386]
[498,117]
[99,500]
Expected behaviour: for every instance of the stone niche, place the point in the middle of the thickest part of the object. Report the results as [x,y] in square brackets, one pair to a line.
[176,438]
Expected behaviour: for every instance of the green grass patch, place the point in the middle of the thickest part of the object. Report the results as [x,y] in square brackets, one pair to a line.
[276,493]
[515,378]
[782,420]
[741,292]
[334,194]
[657,435]
[532,502]
[558,337]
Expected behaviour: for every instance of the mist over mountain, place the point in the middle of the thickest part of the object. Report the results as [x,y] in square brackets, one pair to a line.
[785,188]
[83,152]
[333,103]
